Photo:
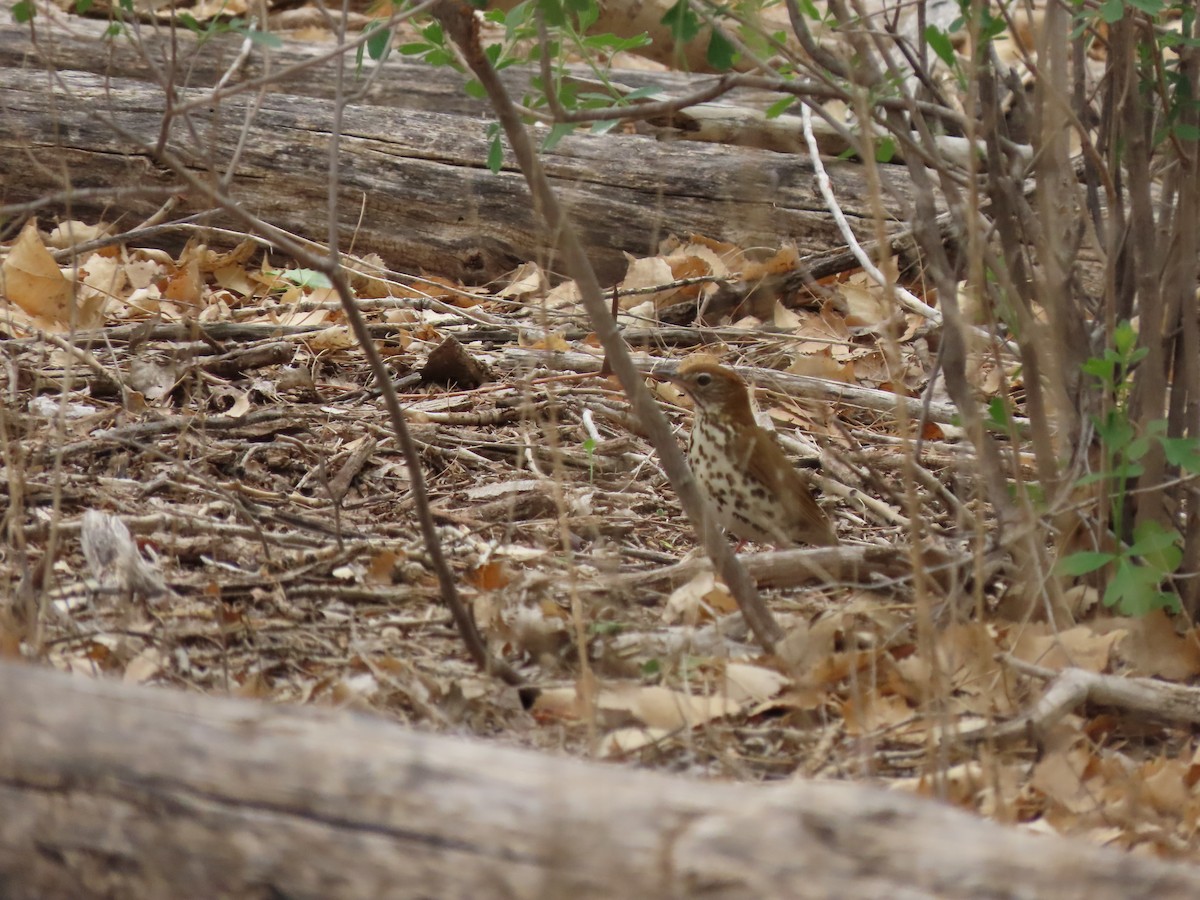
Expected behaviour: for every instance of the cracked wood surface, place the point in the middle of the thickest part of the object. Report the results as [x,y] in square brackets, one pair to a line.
[414,186]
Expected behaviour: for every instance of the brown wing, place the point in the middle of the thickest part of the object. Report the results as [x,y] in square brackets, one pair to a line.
[770,465]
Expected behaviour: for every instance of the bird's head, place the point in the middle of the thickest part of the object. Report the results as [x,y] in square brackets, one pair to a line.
[714,389]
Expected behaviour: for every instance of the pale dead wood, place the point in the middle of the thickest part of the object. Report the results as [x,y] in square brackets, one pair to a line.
[273,419]
[417,177]
[340,483]
[726,109]
[114,790]
[1072,688]
[788,568]
[803,385]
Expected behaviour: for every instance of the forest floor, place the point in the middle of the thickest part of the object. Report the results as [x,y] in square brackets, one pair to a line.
[222,413]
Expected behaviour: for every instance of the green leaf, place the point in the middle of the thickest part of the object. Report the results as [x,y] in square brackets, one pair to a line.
[188,21]
[558,131]
[1083,562]
[1161,548]
[998,414]
[1138,447]
[1115,430]
[721,52]
[568,94]
[1134,590]
[1100,368]
[474,88]
[1149,7]
[518,16]
[1185,132]
[650,90]
[1131,589]
[82,6]
[1151,537]
[552,11]
[683,23]
[378,43]
[586,11]
[1183,452]
[495,157]
[306,278]
[23,12]
[651,667]
[604,43]
[1166,562]
[939,42]
[265,39]
[780,106]
[1124,338]
[885,149]
[992,26]
[1129,471]
[1169,601]
[414,48]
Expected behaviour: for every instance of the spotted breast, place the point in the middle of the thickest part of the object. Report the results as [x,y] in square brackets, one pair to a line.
[757,493]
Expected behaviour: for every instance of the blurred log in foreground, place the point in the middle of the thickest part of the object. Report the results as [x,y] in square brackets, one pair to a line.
[109,790]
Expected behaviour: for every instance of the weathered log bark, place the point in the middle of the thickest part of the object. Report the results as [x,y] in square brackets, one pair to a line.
[413,184]
[149,53]
[109,790]
[307,69]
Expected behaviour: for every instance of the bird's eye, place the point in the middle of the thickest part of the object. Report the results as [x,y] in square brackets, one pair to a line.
[703,379]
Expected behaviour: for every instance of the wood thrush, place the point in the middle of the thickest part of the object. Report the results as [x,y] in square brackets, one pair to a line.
[757,493]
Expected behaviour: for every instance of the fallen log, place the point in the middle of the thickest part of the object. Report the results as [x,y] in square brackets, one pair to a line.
[111,790]
[413,184]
